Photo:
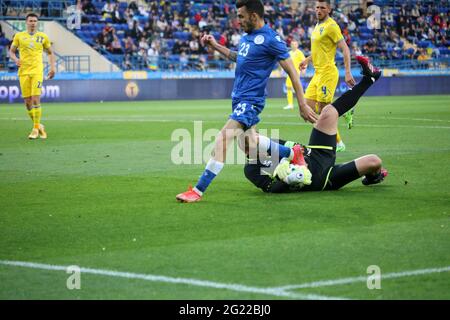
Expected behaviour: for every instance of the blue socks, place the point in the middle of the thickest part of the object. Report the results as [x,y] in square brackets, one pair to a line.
[272,147]
[212,169]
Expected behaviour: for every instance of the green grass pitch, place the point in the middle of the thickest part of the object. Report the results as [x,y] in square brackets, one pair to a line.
[100,193]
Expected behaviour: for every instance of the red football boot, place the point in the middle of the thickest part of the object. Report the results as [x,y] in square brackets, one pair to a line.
[368,69]
[298,155]
[189,196]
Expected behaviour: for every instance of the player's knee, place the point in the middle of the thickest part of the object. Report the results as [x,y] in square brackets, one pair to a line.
[28,103]
[227,134]
[329,113]
[35,100]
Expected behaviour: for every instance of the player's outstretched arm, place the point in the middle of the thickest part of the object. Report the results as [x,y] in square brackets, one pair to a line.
[211,42]
[51,58]
[305,112]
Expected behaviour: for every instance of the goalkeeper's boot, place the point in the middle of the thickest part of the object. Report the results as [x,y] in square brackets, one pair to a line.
[34,134]
[375,179]
[368,69]
[42,133]
[298,158]
[189,196]
[348,117]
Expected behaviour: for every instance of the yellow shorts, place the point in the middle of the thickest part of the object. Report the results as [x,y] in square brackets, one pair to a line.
[31,84]
[323,86]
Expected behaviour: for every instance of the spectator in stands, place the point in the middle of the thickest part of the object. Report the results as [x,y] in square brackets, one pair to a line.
[104,39]
[152,54]
[142,11]
[202,24]
[423,56]
[235,38]
[133,7]
[116,15]
[415,13]
[135,30]
[403,29]
[107,10]
[356,50]
[130,47]
[109,33]
[116,46]
[176,49]
[161,24]
[127,65]
[389,16]
[88,7]
[142,58]
[143,44]
[194,46]
[184,61]
[223,39]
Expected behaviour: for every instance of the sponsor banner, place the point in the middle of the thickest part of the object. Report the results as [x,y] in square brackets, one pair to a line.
[162,75]
[135,75]
[173,89]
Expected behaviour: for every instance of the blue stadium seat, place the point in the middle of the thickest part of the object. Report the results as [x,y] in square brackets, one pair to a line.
[410,51]
[287,21]
[424,44]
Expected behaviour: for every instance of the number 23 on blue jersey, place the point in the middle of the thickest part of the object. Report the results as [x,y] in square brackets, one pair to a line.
[244,49]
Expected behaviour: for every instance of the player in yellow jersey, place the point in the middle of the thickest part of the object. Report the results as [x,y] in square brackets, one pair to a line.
[31,44]
[325,38]
[297,57]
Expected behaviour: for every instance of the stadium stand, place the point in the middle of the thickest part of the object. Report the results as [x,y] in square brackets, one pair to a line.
[163,35]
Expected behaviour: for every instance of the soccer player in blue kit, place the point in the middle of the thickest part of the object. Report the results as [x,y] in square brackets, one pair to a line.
[260,49]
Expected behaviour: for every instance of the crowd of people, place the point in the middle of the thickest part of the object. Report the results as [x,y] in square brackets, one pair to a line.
[407,32]
[166,34]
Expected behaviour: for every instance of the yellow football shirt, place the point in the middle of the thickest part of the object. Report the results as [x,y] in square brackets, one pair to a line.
[324,40]
[30,49]
[297,57]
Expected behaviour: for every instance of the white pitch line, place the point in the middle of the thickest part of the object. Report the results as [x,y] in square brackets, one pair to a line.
[165,279]
[212,120]
[336,282]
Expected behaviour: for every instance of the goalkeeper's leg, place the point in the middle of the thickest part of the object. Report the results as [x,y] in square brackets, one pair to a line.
[369,166]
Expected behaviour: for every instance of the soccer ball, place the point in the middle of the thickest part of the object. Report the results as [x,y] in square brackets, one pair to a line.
[296,175]
[293,174]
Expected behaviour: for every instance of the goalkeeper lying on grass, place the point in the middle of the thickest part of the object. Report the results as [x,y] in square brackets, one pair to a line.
[318,170]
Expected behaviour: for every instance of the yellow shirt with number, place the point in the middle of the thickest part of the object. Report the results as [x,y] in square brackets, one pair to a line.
[324,40]
[30,49]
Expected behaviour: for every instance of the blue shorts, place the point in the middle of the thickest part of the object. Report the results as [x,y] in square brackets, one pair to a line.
[246,113]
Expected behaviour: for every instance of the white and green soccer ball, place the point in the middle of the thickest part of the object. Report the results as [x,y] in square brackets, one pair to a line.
[293,174]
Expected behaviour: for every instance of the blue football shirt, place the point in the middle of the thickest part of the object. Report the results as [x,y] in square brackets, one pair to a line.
[258,53]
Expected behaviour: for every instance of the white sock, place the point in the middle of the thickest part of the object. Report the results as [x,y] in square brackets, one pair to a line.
[214,166]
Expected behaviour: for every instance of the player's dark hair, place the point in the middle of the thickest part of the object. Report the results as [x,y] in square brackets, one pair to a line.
[253,6]
[328,2]
[33,15]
